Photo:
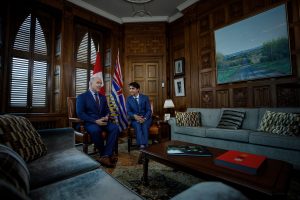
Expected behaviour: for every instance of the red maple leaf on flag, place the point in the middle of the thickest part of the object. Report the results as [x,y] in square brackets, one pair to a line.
[98,69]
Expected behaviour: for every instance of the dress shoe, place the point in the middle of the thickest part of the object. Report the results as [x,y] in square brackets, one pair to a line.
[105,161]
[114,158]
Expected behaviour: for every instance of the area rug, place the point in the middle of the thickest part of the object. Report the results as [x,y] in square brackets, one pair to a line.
[164,182]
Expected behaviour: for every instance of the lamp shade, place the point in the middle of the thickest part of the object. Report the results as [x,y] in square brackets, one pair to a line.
[169,103]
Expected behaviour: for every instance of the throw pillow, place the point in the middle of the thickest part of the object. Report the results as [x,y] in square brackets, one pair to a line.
[13,173]
[188,118]
[280,123]
[18,133]
[231,119]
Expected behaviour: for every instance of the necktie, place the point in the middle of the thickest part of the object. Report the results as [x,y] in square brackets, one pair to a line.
[137,100]
[97,99]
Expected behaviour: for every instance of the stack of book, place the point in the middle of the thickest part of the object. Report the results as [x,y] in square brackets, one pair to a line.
[241,161]
[188,150]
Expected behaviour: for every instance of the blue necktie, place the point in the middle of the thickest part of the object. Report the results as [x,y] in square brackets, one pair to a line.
[97,99]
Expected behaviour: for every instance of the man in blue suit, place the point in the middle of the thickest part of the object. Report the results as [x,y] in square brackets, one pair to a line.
[139,112]
[92,108]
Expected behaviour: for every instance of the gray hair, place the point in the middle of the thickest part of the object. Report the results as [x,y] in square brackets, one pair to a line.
[93,78]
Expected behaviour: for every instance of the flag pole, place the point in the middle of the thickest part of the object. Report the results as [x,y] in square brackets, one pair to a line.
[98,48]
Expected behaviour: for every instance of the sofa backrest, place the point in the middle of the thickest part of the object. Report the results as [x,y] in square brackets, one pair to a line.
[251,117]
[209,116]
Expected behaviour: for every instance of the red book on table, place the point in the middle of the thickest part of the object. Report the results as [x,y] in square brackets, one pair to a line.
[241,161]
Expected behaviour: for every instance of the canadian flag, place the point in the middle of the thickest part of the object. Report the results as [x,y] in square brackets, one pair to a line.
[98,71]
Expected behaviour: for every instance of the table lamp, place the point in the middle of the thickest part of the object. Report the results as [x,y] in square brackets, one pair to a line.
[169,105]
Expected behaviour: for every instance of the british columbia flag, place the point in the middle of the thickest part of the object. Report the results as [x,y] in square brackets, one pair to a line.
[117,93]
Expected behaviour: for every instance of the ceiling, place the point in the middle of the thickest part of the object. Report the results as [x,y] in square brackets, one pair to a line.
[122,11]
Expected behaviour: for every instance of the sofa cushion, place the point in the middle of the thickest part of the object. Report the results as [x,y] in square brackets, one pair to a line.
[210,117]
[251,117]
[210,191]
[241,135]
[188,130]
[279,141]
[96,184]
[262,111]
[13,172]
[18,133]
[59,165]
[280,123]
[188,118]
[8,191]
[231,119]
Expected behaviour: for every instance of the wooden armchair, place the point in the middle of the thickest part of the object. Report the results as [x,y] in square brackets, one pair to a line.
[81,134]
[154,131]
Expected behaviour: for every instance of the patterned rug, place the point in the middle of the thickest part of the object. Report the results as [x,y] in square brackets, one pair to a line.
[164,182]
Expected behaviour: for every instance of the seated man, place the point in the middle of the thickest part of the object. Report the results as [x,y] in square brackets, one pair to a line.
[92,108]
[139,112]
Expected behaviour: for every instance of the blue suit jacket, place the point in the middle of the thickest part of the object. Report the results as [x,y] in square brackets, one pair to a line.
[143,108]
[87,109]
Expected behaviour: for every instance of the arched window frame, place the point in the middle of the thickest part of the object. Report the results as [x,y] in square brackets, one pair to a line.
[84,66]
[33,91]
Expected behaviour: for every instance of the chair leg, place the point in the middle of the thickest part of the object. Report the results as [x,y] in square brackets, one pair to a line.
[117,147]
[85,148]
[129,144]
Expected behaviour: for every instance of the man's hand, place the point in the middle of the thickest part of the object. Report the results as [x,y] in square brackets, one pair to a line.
[139,118]
[102,121]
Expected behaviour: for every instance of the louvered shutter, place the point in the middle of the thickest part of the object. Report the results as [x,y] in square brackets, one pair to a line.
[85,62]
[29,69]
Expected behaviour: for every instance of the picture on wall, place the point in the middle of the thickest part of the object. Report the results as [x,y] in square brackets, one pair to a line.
[179,87]
[179,66]
[254,48]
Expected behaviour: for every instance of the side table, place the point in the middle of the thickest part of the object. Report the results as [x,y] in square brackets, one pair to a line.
[162,132]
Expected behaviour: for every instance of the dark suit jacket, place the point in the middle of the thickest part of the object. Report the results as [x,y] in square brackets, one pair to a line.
[87,109]
[143,108]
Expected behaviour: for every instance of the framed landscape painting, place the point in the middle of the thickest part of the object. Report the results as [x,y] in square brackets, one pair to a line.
[254,48]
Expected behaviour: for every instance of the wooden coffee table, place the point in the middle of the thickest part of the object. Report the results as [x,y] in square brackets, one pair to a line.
[271,182]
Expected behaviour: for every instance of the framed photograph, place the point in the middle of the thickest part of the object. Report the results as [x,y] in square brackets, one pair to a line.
[167,116]
[179,67]
[254,48]
[179,87]
[107,58]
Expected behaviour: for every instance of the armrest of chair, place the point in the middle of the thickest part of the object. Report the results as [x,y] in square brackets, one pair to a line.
[58,138]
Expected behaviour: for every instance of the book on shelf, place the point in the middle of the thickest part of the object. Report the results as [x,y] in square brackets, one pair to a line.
[188,150]
[241,161]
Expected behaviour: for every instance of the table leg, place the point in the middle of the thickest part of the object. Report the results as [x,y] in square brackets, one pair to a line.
[145,180]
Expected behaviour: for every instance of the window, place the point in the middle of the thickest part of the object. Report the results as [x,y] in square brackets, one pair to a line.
[29,67]
[85,60]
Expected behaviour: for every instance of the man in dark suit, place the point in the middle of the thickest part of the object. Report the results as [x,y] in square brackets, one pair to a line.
[92,108]
[139,111]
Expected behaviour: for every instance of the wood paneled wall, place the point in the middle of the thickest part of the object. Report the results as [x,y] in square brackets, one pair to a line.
[143,43]
[192,37]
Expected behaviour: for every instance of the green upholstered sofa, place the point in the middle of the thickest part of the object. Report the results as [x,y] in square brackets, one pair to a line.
[62,173]
[247,138]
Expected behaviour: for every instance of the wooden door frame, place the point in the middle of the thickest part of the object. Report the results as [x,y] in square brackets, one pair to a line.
[162,92]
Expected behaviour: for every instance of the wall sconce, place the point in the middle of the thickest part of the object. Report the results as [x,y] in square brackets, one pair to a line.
[169,105]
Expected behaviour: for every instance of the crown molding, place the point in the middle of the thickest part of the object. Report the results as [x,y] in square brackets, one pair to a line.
[145,19]
[175,17]
[95,10]
[186,4]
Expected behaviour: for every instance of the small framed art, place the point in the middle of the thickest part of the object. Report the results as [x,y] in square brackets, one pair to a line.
[179,67]
[179,87]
